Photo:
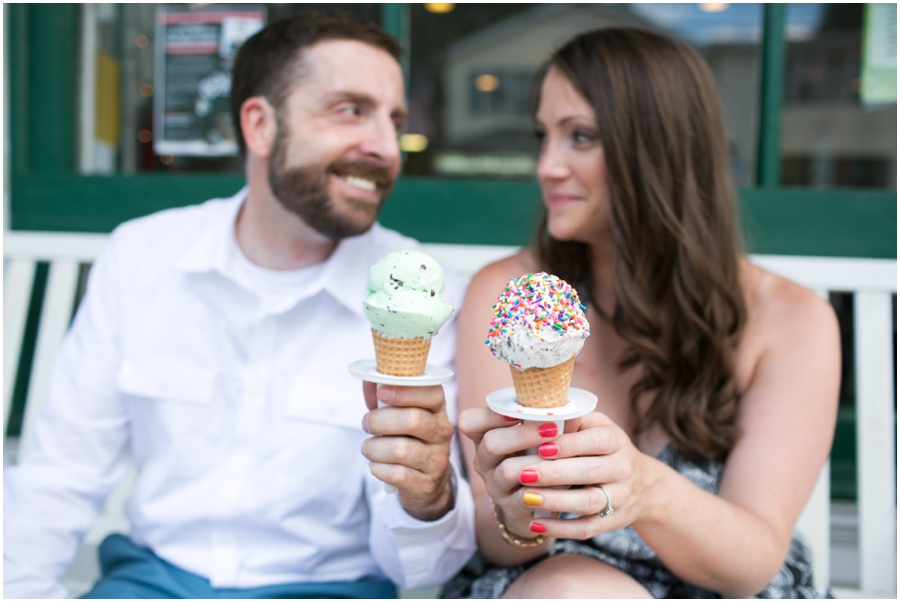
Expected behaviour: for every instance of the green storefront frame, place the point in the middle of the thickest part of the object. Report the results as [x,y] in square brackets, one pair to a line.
[47,193]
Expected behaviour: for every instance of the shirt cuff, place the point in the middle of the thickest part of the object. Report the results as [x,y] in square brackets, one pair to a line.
[431,552]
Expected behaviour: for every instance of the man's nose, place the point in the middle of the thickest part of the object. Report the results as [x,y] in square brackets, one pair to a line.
[380,141]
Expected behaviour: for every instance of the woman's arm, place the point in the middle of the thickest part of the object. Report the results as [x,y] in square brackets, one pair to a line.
[478,374]
[735,542]
[787,415]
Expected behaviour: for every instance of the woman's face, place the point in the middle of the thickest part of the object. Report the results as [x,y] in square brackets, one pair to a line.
[571,169]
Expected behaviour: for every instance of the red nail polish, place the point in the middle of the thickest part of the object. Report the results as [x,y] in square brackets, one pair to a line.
[547,430]
[529,476]
[538,528]
[511,419]
[548,449]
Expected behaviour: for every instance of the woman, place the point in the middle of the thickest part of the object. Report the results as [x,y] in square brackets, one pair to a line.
[717,381]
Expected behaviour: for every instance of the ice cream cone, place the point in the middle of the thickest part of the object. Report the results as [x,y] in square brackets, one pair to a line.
[543,387]
[400,357]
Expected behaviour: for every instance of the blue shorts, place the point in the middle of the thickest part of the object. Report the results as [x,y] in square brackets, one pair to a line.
[132,572]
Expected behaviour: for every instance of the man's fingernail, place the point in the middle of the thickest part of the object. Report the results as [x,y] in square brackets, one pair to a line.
[386,393]
[529,476]
[548,430]
[532,499]
[548,449]
[365,423]
[511,419]
[538,528]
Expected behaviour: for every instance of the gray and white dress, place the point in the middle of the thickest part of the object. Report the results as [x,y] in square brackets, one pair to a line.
[625,550]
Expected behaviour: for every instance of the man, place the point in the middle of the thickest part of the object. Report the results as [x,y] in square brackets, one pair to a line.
[211,349]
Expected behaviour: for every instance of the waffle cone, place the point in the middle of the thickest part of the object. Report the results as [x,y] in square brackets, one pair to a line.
[400,357]
[543,387]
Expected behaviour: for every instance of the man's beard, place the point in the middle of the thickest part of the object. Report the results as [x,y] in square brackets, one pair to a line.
[304,191]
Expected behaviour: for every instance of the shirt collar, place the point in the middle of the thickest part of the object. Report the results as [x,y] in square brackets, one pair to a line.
[347,270]
[212,246]
[344,274]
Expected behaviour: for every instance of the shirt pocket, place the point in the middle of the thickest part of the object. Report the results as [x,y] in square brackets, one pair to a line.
[172,410]
[329,405]
[165,379]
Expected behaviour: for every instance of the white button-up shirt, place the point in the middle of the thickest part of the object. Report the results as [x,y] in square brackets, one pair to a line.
[239,413]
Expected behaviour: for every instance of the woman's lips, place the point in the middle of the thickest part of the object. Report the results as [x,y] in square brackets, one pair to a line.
[557,199]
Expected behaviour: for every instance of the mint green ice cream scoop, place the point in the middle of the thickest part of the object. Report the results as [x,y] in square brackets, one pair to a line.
[404,299]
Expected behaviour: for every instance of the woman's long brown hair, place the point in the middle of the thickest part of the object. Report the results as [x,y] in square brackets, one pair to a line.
[675,238]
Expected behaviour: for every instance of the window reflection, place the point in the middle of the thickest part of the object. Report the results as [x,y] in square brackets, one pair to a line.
[126,48]
[471,67]
[471,71]
[829,138]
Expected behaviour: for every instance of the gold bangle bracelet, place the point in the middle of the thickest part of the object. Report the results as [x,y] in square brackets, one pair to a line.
[512,540]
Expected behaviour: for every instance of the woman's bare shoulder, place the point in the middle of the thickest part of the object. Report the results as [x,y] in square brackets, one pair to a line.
[775,303]
[782,317]
[494,276]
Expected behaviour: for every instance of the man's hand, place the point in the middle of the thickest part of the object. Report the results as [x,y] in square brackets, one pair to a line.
[412,452]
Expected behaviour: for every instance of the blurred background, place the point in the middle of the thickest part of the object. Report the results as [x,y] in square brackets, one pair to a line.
[145,86]
[113,111]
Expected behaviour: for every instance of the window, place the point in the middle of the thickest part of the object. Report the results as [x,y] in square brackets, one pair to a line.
[127,92]
[831,137]
[471,70]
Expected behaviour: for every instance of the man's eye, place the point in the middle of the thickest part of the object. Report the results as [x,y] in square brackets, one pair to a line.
[540,136]
[350,110]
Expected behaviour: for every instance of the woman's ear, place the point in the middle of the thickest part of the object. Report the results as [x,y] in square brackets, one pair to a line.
[259,126]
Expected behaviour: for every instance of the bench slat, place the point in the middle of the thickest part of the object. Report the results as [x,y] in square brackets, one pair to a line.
[55,315]
[18,278]
[875,445]
[53,246]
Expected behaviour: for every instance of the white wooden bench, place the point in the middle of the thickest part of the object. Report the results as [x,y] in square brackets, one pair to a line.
[871,281]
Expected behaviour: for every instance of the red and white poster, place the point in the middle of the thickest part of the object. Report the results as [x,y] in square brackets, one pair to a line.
[195,49]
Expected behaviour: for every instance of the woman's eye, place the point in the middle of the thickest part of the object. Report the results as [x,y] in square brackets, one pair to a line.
[581,137]
[540,136]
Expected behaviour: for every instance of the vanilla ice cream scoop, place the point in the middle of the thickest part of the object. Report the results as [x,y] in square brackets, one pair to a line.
[538,322]
[404,299]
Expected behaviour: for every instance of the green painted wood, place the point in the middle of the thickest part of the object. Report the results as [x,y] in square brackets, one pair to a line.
[15,26]
[395,19]
[77,203]
[464,211]
[843,455]
[784,221]
[768,161]
[50,71]
[26,351]
[392,19]
[838,222]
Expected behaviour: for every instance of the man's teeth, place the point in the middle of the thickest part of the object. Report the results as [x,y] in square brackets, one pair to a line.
[362,184]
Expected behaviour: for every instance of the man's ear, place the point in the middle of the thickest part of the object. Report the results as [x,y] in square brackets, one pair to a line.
[259,126]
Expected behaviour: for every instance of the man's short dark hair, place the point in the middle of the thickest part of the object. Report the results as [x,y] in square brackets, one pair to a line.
[266,65]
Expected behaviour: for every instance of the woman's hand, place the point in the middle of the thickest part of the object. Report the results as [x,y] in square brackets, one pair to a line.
[593,451]
[597,452]
[500,460]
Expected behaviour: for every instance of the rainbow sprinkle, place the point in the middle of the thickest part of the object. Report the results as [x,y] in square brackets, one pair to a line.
[539,301]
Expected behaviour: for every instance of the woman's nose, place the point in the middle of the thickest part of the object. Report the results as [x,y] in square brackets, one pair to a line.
[551,164]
